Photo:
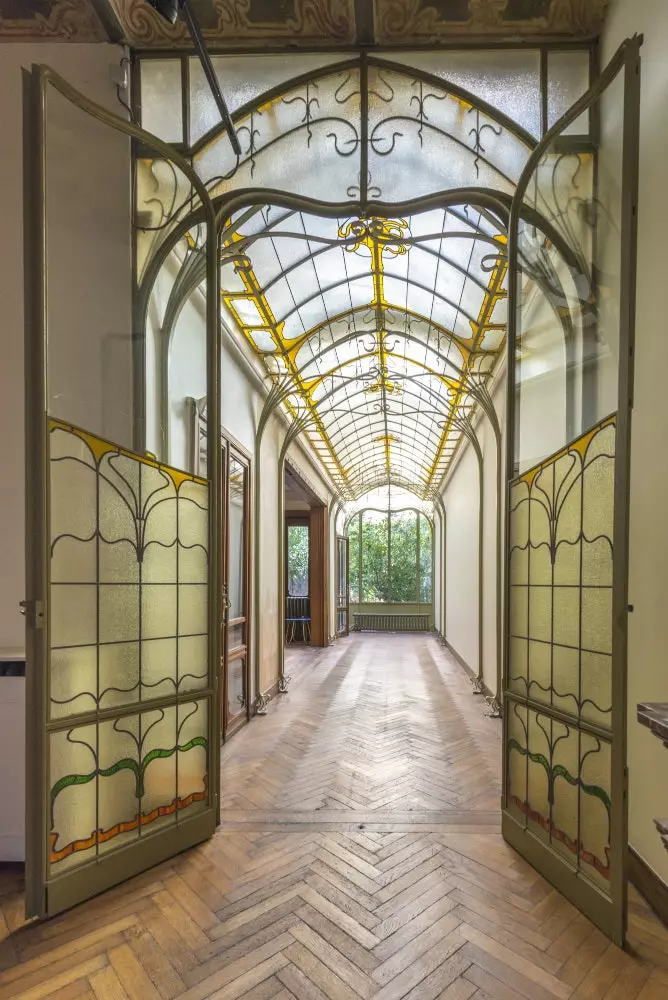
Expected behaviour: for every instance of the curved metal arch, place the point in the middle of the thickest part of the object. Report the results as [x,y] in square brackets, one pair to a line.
[415,241]
[290,391]
[442,331]
[373,274]
[388,510]
[452,89]
[401,334]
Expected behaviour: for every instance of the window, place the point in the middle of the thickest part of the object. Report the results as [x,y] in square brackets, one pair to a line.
[390,557]
[298,560]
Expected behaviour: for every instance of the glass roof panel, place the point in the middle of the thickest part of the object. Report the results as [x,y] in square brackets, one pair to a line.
[382,334]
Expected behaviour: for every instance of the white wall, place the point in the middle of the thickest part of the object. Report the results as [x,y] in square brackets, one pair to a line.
[490,465]
[648,670]
[461,497]
[461,559]
[87,68]
[241,407]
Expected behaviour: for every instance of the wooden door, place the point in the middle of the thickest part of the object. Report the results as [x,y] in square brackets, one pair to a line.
[342,586]
[236,595]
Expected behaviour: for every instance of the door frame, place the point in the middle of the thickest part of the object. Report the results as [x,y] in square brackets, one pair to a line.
[232,724]
[342,541]
[610,914]
[47,894]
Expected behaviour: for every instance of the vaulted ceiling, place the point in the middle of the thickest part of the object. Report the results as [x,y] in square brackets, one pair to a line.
[286,23]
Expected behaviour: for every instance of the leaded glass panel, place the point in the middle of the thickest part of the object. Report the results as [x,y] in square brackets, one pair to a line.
[117,641]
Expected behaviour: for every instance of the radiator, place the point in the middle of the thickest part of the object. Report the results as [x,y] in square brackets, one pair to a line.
[364,621]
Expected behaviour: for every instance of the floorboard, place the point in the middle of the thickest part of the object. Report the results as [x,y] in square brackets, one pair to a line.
[360,856]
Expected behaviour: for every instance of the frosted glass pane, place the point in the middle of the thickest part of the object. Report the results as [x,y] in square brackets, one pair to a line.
[516,750]
[564,813]
[158,610]
[158,668]
[567,80]
[193,606]
[236,686]
[283,149]
[566,615]
[508,80]
[518,665]
[113,645]
[243,78]
[540,669]
[192,742]
[538,775]
[118,562]
[440,143]
[595,805]
[119,782]
[73,680]
[597,619]
[566,671]
[193,662]
[73,615]
[119,674]
[158,786]
[161,104]
[159,557]
[540,613]
[72,764]
[596,688]
[119,612]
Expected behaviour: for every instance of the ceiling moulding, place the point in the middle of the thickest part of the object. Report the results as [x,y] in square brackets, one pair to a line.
[228,23]
[50,20]
[425,22]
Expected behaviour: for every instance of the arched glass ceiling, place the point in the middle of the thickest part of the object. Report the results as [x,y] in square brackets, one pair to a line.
[381,330]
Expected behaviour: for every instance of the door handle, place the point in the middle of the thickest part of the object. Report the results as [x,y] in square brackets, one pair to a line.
[33,611]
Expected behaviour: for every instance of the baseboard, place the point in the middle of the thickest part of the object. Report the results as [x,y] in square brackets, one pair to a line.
[649,885]
[271,692]
[12,847]
[462,663]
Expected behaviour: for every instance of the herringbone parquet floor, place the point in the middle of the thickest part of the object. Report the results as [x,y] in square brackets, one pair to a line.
[360,856]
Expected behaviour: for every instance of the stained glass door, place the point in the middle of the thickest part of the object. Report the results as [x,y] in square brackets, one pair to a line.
[342,586]
[122,729]
[572,267]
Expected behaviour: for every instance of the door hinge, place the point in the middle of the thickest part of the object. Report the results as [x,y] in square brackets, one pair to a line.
[33,611]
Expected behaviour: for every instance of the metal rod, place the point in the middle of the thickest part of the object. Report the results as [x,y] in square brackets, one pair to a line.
[210,74]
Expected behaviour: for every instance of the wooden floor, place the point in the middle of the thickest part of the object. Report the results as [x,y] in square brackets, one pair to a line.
[360,856]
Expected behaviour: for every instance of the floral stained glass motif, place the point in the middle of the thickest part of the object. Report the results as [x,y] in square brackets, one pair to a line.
[128,629]
[560,649]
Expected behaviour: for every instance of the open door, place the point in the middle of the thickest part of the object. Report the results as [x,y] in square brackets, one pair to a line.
[572,271]
[236,594]
[122,560]
[342,586]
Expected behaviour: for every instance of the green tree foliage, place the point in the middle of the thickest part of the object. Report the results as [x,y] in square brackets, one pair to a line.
[398,582]
[403,541]
[298,552]
[374,557]
[354,570]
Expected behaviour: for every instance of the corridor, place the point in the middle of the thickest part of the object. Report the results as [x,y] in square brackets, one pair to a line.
[360,855]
